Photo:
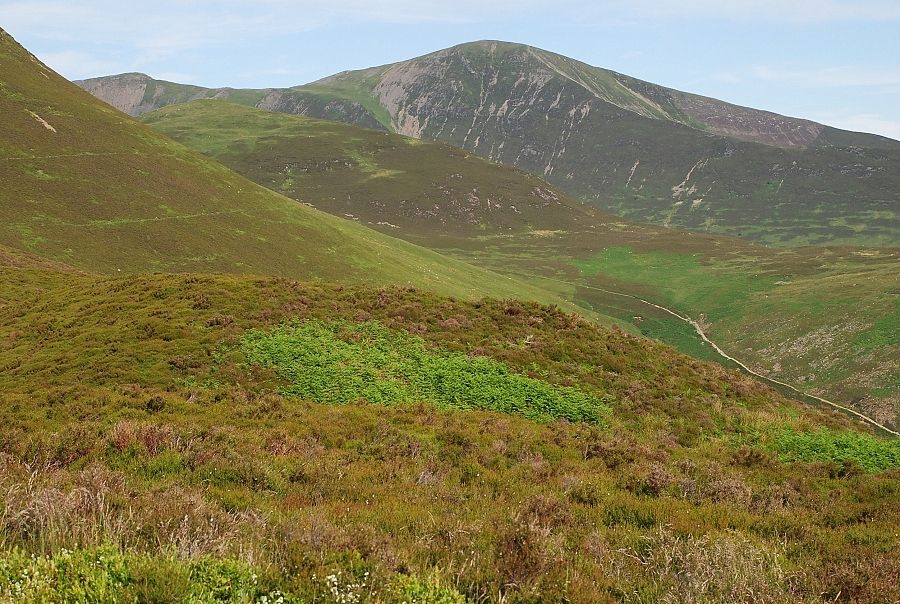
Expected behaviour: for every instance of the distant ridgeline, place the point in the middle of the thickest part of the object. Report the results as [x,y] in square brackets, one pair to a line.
[645,152]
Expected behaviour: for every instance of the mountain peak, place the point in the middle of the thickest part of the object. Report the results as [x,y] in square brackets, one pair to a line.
[492,46]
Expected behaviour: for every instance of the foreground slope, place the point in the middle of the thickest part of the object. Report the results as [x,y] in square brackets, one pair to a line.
[823,319]
[165,440]
[646,152]
[86,185]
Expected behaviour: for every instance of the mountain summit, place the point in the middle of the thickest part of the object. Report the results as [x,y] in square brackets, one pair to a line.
[516,79]
[646,152]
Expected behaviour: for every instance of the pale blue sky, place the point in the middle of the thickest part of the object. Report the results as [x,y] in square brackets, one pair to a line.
[835,61]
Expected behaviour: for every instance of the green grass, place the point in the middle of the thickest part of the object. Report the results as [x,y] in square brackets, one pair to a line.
[871,454]
[340,363]
[885,331]
[681,279]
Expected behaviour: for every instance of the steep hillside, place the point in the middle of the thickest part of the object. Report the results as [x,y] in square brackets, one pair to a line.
[823,319]
[645,152]
[84,185]
[394,183]
[164,438]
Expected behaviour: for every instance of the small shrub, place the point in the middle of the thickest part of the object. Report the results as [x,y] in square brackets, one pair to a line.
[155,404]
[658,479]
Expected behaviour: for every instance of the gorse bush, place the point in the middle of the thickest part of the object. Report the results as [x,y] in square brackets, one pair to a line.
[340,362]
[870,453]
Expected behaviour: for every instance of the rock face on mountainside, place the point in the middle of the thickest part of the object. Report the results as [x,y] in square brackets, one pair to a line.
[137,93]
[646,152]
[502,81]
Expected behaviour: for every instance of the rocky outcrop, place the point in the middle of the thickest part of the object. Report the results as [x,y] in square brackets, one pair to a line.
[138,93]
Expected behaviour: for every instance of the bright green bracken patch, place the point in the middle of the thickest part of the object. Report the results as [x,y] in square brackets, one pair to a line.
[870,453]
[337,363]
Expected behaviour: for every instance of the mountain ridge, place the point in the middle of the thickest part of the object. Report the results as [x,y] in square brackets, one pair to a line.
[808,131]
[645,152]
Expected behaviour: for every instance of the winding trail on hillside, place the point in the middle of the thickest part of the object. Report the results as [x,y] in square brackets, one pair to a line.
[725,355]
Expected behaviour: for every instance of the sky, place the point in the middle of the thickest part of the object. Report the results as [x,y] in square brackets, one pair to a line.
[833,61]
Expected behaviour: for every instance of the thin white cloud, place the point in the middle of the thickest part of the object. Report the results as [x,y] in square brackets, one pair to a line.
[795,11]
[872,123]
[854,76]
[77,65]
[162,27]
[179,24]
[725,77]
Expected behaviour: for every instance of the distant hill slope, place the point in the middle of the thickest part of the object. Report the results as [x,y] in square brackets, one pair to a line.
[645,152]
[393,183]
[821,318]
[138,93]
[85,185]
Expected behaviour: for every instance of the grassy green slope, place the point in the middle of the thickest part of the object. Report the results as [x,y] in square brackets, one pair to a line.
[85,185]
[160,443]
[819,318]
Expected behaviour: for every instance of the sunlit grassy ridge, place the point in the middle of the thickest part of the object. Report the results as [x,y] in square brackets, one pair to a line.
[141,426]
[399,185]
